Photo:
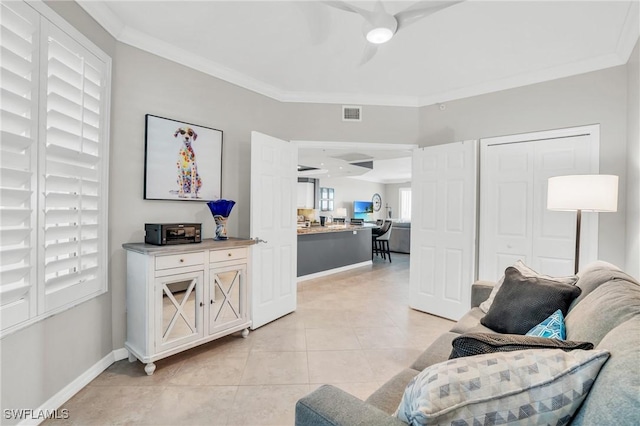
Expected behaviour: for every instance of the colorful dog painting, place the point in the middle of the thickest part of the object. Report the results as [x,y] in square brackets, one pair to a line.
[198,148]
[189,182]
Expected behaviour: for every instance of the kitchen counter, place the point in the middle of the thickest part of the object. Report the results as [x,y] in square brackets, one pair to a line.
[327,249]
[330,228]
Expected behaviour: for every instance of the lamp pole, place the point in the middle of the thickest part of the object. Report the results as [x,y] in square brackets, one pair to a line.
[577,257]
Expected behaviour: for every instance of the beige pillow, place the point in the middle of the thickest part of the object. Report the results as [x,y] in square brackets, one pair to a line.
[527,272]
[529,387]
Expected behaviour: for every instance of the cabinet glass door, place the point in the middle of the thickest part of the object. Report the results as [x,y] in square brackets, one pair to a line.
[228,298]
[180,309]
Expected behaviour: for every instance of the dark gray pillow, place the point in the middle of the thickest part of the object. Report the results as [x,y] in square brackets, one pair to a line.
[524,302]
[471,344]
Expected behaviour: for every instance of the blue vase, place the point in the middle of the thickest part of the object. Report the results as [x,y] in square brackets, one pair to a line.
[221,209]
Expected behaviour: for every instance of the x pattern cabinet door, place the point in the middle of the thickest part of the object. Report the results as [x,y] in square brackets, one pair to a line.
[179,309]
[227,297]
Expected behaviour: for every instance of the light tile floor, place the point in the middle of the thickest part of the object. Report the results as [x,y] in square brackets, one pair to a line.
[353,330]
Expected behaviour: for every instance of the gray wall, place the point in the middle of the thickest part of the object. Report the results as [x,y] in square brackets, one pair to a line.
[392,190]
[633,164]
[323,122]
[348,190]
[144,83]
[147,84]
[594,98]
[40,360]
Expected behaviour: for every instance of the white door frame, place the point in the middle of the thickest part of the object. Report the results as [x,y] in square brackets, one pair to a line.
[382,146]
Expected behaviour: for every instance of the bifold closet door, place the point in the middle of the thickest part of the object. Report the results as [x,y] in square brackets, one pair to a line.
[514,220]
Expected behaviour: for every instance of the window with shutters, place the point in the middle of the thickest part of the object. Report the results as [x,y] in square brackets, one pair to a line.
[55,87]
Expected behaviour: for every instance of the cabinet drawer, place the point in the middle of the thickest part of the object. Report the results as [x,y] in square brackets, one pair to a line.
[229,254]
[178,260]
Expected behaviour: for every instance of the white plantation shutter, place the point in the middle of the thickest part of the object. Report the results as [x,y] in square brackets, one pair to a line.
[55,99]
[72,227]
[18,161]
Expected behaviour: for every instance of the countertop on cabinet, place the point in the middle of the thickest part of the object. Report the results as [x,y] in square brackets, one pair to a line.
[331,228]
[207,244]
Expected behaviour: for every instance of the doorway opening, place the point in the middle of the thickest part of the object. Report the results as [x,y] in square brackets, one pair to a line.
[355,180]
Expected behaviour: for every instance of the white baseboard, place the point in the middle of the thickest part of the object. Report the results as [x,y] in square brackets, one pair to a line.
[120,354]
[56,401]
[334,271]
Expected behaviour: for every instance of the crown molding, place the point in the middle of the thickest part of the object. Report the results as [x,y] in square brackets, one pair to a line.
[526,79]
[104,16]
[630,33]
[100,11]
[168,51]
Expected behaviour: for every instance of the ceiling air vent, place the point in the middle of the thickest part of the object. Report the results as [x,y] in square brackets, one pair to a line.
[351,113]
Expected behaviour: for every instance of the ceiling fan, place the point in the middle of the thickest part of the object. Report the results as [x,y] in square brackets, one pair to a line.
[380,26]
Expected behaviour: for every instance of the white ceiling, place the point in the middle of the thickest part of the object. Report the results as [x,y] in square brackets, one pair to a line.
[391,162]
[307,51]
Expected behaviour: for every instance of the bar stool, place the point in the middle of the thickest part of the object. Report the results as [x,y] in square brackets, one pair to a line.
[380,243]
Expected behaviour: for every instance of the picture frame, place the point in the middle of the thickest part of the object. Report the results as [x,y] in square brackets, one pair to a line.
[183,161]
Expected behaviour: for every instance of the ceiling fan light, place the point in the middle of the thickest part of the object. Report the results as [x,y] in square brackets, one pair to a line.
[379,35]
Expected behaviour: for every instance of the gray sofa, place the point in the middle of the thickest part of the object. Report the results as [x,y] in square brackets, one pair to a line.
[607,314]
[400,240]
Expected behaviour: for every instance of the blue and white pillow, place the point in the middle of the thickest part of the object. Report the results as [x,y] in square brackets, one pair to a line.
[552,328]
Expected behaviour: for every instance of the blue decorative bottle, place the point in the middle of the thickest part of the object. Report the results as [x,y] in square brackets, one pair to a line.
[221,209]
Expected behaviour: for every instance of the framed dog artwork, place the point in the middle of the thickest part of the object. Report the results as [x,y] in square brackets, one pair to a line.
[183,161]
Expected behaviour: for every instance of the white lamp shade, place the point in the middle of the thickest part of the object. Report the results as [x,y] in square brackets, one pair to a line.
[597,193]
[341,212]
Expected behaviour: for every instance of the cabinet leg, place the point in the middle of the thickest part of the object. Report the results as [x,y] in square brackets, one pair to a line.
[245,333]
[150,368]
[132,357]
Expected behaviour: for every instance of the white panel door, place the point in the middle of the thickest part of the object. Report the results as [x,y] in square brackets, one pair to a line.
[506,200]
[554,232]
[443,222]
[514,220]
[273,219]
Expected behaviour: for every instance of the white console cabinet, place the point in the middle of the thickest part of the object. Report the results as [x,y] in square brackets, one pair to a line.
[181,296]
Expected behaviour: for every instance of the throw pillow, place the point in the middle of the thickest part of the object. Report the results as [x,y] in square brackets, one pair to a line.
[471,344]
[551,328]
[527,272]
[523,302]
[536,386]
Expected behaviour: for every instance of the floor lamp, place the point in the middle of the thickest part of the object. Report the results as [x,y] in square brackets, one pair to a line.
[594,193]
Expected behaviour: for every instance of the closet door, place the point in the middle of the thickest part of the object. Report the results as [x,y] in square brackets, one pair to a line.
[514,220]
[554,232]
[506,207]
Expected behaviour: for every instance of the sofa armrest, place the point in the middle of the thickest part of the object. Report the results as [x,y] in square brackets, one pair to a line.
[480,291]
[330,406]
